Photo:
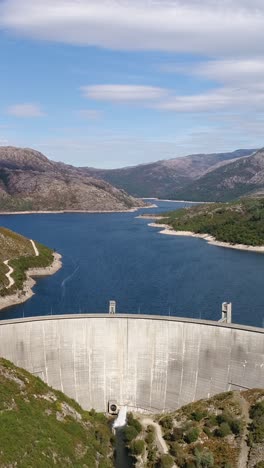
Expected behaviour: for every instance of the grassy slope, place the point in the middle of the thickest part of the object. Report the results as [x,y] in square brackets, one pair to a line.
[240,222]
[21,254]
[212,433]
[208,432]
[41,427]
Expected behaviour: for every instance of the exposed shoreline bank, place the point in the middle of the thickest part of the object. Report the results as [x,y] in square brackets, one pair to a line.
[177,201]
[167,230]
[131,210]
[27,292]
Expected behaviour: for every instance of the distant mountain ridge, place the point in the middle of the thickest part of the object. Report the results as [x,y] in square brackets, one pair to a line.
[29,181]
[163,179]
[244,177]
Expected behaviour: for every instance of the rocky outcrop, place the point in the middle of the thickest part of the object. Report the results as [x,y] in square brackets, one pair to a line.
[31,182]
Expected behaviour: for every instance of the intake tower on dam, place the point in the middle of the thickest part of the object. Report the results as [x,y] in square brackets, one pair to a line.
[152,363]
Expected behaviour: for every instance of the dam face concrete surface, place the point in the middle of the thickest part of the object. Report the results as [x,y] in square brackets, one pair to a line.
[144,362]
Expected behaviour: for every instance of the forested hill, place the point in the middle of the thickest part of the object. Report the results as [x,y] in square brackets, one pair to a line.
[239,222]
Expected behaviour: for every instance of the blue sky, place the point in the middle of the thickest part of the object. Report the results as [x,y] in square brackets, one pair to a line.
[122,82]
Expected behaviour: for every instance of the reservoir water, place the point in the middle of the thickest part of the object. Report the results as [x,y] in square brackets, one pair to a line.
[118,256]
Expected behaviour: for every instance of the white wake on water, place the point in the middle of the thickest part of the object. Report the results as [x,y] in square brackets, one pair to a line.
[121,418]
[66,280]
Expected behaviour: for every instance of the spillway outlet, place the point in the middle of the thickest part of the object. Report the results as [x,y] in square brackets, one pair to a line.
[113,407]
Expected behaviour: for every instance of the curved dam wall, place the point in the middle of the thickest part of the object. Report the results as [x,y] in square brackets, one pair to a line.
[150,363]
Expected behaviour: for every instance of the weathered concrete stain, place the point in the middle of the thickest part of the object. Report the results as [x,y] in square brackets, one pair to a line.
[146,362]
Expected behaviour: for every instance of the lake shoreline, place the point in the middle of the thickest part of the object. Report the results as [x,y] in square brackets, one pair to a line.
[131,210]
[168,230]
[177,201]
[27,292]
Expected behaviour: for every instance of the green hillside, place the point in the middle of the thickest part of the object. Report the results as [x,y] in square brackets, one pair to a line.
[224,431]
[242,177]
[18,249]
[239,222]
[215,432]
[42,428]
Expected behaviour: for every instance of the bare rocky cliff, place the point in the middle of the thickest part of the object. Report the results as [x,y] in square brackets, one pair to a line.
[30,181]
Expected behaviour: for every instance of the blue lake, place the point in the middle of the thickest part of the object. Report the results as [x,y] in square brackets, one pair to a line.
[118,256]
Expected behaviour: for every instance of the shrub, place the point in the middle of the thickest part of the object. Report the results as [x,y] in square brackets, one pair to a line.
[166,422]
[131,421]
[178,453]
[166,461]
[198,415]
[224,418]
[191,435]
[152,455]
[207,432]
[211,421]
[204,458]
[257,429]
[150,437]
[223,431]
[257,426]
[257,410]
[177,434]
[236,426]
[130,433]
[137,447]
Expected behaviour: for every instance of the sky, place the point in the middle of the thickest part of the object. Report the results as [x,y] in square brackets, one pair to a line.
[113,83]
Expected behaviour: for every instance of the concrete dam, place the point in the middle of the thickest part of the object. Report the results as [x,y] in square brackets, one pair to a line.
[151,363]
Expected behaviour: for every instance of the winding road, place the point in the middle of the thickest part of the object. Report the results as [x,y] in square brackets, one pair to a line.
[11,270]
[159,437]
[8,275]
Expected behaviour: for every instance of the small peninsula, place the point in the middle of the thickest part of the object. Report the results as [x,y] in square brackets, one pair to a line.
[21,260]
[238,224]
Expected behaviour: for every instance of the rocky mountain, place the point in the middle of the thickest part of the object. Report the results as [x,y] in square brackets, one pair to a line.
[30,181]
[163,179]
[244,177]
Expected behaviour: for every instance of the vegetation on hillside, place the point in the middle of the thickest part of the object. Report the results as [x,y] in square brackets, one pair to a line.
[162,179]
[239,222]
[41,427]
[18,249]
[242,177]
[207,433]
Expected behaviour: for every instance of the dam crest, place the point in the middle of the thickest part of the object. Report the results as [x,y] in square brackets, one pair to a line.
[148,363]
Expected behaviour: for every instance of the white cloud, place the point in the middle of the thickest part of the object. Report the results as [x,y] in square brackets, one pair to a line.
[123,93]
[233,70]
[222,99]
[25,110]
[236,98]
[210,26]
